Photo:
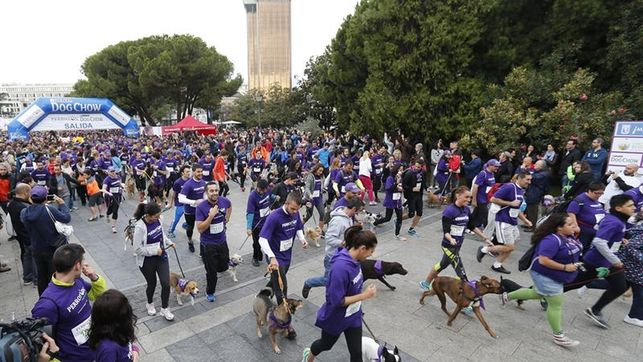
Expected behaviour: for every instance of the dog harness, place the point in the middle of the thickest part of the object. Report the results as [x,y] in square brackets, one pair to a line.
[182,284]
[232,264]
[378,267]
[380,352]
[478,298]
[276,324]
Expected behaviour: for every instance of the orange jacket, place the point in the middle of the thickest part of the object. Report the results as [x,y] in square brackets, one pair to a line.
[264,153]
[92,187]
[219,169]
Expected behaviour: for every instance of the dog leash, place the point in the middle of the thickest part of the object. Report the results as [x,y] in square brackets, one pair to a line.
[369,329]
[178,261]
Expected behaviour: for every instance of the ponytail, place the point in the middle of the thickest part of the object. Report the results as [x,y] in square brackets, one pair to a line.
[355,236]
[143,209]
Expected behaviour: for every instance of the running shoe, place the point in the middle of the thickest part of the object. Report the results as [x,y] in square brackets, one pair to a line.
[305,355]
[468,311]
[211,298]
[171,235]
[114,229]
[191,247]
[480,254]
[412,232]
[184,225]
[597,318]
[424,285]
[150,309]
[580,291]
[504,298]
[562,340]
[165,312]
[400,238]
[633,321]
[305,291]
[500,269]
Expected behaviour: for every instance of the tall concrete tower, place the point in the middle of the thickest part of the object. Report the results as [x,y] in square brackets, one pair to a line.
[269,51]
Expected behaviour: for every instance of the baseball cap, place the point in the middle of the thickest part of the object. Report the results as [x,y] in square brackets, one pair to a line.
[110,168]
[493,162]
[351,187]
[39,193]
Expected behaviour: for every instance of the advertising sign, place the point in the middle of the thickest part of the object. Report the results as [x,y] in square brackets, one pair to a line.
[627,145]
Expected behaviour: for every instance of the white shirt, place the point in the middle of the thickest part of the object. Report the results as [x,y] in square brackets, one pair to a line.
[612,188]
[365,167]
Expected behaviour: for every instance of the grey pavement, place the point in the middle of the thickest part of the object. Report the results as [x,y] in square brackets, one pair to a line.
[225,330]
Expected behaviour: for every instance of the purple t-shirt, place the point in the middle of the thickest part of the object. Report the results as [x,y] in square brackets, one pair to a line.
[69,309]
[155,235]
[612,229]
[484,180]
[458,218]
[159,178]
[393,197]
[256,166]
[113,185]
[110,351]
[193,190]
[342,178]
[280,229]
[215,234]
[207,168]
[509,192]
[259,206]
[561,249]
[637,196]
[178,185]
[588,215]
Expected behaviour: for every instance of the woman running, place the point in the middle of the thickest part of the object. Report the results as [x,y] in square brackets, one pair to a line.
[393,199]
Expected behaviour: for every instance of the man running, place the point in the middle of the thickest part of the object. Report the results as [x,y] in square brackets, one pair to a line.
[191,195]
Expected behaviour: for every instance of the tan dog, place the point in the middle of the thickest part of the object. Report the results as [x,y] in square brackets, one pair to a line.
[234,262]
[183,287]
[433,200]
[130,186]
[278,319]
[313,234]
[464,294]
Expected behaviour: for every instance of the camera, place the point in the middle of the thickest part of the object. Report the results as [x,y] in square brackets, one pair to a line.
[50,197]
[22,340]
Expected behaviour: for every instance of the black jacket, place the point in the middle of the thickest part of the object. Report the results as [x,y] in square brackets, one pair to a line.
[15,206]
[568,158]
[581,183]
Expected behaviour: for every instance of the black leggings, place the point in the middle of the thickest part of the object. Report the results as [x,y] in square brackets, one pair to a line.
[451,256]
[45,267]
[112,209]
[257,254]
[274,283]
[215,259]
[223,188]
[242,176]
[353,340]
[387,218]
[153,266]
[310,210]
[189,219]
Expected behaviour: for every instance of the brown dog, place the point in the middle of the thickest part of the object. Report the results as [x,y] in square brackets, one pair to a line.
[183,287]
[313,234]
[130,186]
[463,294]
[278,319]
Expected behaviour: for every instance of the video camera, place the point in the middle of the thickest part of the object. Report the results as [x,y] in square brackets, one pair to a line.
[21,341]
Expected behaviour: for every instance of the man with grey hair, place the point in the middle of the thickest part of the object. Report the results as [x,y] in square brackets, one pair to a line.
[536,191]
[619,182]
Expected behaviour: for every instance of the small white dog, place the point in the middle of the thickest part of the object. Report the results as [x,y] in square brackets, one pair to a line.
[234,262]
[372,351]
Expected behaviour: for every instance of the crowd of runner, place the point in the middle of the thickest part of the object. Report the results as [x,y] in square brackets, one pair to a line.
[590,240]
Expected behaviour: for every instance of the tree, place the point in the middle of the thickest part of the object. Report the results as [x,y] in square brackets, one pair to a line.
[145,75]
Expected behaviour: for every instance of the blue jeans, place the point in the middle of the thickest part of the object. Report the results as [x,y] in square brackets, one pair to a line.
[28,264]
[321,280]
[178,213]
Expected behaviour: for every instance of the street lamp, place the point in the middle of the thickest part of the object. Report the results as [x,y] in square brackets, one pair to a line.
[259,99]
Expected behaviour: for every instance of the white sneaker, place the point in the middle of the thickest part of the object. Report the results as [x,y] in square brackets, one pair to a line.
[150,309]
[372,203]
[633,321]
[400,238]
[580,291]
[563,340]
[165,312]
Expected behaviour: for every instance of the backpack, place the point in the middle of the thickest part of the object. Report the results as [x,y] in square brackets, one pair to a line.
[528,257]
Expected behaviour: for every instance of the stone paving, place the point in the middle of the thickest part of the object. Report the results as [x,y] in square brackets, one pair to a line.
[225,330]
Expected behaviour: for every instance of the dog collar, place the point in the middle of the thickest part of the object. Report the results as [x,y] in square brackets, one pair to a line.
[232,264]
[474,285]
[378,267]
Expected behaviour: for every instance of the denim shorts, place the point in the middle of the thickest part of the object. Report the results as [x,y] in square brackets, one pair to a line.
[546,286]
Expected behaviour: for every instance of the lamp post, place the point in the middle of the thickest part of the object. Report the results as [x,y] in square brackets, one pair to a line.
[259,99]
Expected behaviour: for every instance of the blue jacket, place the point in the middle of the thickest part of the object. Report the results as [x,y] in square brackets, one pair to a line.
[472,168]
[538,188]
[596,160]
[41,229]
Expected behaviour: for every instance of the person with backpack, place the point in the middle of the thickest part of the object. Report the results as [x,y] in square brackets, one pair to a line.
[554,263]
[588,212]
[510,199]
[601,260]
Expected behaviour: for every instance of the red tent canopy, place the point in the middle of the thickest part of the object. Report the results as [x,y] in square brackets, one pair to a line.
[190,123]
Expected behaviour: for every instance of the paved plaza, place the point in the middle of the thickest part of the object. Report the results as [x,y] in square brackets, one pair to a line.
[225,330]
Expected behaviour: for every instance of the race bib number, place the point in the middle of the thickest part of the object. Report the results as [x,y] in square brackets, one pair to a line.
[378,171]
[256,169]
[397,196]
[353,308]
[264,212]
[598,218]
[343,189]
[514,212]
[114,190]
[170,169]
[285,244]
[206,173]
[81,331]
[418,185]
[316,193]
[42,182]
[216,228]
[457,230]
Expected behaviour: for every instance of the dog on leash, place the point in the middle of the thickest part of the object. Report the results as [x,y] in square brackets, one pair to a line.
[437,200]
[278,318]
[369,219]
[233,263]
[378,269]
[313,234]
[183,287]
[464,294]
[373,351]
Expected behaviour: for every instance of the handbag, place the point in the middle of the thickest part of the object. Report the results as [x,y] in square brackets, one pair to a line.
[61,228]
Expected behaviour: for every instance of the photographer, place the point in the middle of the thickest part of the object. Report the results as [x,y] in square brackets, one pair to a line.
[42,231]
[65,302]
